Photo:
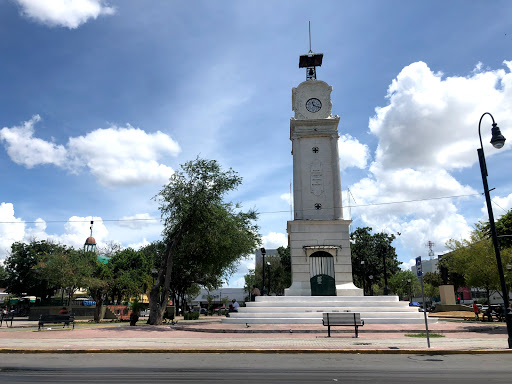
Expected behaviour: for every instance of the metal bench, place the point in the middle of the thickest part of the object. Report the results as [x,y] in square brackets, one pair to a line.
[56,319]
[347,319]
[6,317]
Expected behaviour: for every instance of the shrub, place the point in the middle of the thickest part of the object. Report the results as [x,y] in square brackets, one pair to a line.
[191,316]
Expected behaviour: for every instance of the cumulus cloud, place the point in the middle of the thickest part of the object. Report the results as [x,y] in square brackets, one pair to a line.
[352,153]
[137,221]
[12,229]
[115,155]
[501,205]
[76,230]
[24,149]
[275,240]
[64,13]
[426,133]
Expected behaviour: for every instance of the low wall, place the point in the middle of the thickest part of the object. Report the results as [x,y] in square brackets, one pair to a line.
[452,307]
[81,312]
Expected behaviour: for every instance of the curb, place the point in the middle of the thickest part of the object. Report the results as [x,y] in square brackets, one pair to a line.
[422,351]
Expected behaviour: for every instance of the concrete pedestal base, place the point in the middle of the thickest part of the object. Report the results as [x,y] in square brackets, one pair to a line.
[348,289]
[447,294]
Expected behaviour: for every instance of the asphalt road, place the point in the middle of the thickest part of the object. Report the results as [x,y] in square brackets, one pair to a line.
[254,368]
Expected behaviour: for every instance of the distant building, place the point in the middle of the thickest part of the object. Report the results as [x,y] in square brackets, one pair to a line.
[427,266]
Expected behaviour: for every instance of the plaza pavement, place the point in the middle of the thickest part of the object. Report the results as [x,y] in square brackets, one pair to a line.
[212,336]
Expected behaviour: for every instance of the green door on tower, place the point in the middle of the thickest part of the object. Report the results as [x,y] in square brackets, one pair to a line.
[321,267]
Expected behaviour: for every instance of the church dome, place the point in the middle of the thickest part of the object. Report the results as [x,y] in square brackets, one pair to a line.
[90,241]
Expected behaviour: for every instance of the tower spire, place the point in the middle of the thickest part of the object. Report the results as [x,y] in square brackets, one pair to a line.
[310,60]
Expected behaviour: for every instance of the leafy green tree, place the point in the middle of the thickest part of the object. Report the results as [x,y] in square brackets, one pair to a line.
[23,268]
[131,272]
[280,273]
[503,230]
[400,286]
[200,227]
[68,269]
[372,249]
[3,276]
[475,260]
[433,278]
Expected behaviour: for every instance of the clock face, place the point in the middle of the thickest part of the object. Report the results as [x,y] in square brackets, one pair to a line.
[313,105]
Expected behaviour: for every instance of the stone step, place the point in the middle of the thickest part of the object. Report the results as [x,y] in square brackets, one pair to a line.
[378,299]
[318,315]
[338,304]
[328,309]
[312,320]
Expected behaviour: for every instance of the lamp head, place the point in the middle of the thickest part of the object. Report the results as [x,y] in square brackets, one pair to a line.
[263,252]
[497,140]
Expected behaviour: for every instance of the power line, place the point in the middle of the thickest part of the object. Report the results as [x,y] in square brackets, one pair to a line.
[263,213]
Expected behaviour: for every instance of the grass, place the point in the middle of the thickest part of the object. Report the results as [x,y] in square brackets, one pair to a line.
[423,334]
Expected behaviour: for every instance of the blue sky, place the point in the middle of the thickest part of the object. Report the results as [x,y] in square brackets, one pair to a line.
[101,100]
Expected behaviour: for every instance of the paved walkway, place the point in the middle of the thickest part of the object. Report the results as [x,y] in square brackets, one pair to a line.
[213,336]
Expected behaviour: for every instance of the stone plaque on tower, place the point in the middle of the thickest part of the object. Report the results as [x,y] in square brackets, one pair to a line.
[318,235]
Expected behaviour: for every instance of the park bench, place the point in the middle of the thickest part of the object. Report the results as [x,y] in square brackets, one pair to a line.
[6,317]
[347,319]
[56,319]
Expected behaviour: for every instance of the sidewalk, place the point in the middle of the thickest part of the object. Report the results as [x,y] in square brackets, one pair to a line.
[214,337]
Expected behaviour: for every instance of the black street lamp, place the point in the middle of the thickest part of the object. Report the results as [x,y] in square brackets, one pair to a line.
[364,277]
[268,286]
[371,285]
[497,141]
[410,290]
[263,253]
[386,289]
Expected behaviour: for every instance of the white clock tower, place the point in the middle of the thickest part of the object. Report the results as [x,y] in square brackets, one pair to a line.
[318,235]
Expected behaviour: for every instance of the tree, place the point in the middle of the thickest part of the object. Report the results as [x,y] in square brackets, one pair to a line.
[503,230]
[131,272]
[280,273]
[200,228]
[68,269]
[371,248]
[475,260]
[400,286]
[23,268]
[3,276]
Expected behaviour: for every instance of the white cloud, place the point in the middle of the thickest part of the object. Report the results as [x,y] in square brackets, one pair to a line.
[12,229]
[138,221]
[64,13]
[139,245]
[500,206]
[26,150]
[76,230]
[124,156]
[428,130]
[115,156]
[433,122]
[352,153]
[275,240]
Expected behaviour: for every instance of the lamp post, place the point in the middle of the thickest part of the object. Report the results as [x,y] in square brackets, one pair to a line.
[263,253]
[386,289]
[364,277]
[497,141]
[410,290]
[268,286]
[371,286]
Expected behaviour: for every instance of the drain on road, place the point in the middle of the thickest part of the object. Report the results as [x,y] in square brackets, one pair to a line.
[362,343]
